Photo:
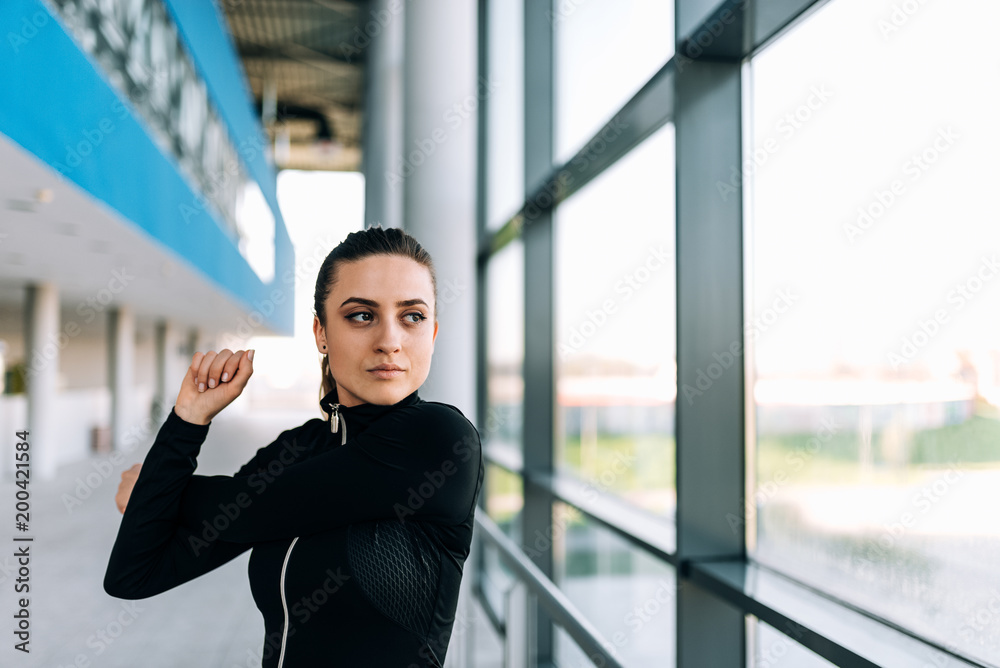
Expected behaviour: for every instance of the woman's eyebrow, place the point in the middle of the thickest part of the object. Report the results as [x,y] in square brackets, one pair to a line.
[374,304]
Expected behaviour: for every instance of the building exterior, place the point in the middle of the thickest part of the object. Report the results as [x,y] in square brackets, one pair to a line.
[715,288]
[140,215]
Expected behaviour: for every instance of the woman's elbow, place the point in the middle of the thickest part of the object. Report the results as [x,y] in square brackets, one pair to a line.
[121,587]
[115,588]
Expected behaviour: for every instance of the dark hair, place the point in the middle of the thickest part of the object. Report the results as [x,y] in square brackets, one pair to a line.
[357,246]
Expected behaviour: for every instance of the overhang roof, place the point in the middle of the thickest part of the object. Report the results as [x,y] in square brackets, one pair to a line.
[310,55]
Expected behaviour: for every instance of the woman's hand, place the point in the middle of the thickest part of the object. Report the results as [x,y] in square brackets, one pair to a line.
[212,382]
[129,476]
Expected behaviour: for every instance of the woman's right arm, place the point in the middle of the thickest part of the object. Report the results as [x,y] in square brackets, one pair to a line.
[152,552]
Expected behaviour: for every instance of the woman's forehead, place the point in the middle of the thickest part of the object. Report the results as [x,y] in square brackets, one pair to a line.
[383,278]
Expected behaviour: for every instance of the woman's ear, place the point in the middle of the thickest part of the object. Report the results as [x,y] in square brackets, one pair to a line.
[435,335]
[320,335]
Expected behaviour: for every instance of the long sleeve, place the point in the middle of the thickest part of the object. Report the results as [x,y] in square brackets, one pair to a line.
[153,552]
[419,462]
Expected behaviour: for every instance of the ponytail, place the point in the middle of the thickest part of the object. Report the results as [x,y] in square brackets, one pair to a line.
[327,385]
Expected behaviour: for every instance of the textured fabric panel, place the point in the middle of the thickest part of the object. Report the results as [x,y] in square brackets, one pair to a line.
[397,566]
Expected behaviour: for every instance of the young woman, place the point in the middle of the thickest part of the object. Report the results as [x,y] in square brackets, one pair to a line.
[360,523]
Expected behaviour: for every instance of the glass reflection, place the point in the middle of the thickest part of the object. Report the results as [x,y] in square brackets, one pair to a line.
[605,51]
[505,131]
[770,648]
[876,324]
[615,329]
[628,595]
[505,347]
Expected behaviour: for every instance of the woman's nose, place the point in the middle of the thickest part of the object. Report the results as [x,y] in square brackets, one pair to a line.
[388,338]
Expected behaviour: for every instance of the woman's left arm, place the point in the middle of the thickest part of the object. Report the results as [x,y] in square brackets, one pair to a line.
[153,552]
[418,462]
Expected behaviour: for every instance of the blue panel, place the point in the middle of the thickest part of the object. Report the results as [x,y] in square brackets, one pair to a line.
[58,106]
[206,36]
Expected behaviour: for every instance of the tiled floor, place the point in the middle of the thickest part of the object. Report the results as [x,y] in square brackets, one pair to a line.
[210,622]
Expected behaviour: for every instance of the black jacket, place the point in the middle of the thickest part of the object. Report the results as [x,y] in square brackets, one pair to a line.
[359,535]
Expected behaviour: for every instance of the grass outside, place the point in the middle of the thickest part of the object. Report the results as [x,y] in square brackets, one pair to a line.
[974,443]
[624,463]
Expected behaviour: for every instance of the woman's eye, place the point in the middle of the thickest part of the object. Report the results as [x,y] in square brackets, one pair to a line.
[354,316]
[417,317]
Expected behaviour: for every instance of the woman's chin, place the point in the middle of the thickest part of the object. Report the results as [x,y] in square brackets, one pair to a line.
[386,392]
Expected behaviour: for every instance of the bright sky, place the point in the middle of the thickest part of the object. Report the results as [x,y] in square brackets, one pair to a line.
[604,53]
[885,86]
[879,99]
[320,209]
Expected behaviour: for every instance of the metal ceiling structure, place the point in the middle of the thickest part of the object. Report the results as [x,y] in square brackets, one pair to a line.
[304,61]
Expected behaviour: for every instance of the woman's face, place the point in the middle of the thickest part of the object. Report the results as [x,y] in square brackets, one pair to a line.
[380,312]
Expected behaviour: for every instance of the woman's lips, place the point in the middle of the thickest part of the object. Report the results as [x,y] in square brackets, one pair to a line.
[385,374]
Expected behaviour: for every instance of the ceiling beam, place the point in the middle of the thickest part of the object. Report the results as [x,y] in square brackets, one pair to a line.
[332,62]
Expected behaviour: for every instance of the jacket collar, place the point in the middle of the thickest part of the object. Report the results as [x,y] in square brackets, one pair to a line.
[360,416]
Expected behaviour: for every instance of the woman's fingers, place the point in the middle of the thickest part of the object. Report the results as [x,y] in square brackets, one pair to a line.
[129,476]
[202,370]
[213,368]
[230,366]
[244,370]
[203,393]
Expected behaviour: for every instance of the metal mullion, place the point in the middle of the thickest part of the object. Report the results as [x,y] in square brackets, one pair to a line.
[709,426]
[645,113]
[482,368]
[734,29]
[482,165]
[539,368]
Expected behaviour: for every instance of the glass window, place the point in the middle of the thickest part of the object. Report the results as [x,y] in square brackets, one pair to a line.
[615,329]
[497,581]
[504,399]
[876,312]
[770,648]
[505,111]
[504,499]
[505,347]
[487,645]
[605,51]
[628,595]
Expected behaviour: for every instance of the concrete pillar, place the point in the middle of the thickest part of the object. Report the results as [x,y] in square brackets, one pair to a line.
[441,99]
[193,343]
[382,157]
[121,365]
[163,393]
[42,348]
[3,366]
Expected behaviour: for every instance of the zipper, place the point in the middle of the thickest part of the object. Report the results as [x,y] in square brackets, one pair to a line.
[334,416]
[284,604]
[335,420]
